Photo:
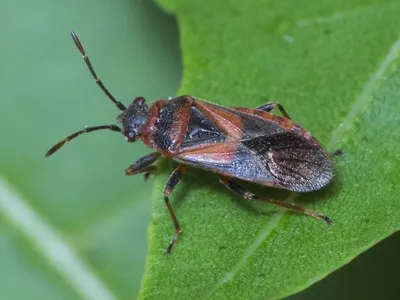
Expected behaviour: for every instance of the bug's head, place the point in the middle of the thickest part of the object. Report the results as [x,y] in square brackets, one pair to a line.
[133,119]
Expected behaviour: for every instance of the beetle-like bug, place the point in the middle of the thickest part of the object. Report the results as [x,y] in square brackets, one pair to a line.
[250,144]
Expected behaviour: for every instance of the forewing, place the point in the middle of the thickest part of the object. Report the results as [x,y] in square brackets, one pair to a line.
[265,149]
[297,163]
[201,131]
[237,124]
[231,159]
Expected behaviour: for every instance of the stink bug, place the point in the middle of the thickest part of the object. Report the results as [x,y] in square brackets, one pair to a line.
[250,144]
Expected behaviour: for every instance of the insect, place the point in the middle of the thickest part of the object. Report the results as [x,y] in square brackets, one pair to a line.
[250,144]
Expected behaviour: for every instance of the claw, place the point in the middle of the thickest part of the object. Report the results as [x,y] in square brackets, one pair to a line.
[173,242]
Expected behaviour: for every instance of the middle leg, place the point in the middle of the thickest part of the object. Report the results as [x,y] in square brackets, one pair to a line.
[173,180]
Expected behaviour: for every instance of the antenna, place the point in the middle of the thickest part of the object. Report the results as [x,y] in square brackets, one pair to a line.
[78,133]
[98,81]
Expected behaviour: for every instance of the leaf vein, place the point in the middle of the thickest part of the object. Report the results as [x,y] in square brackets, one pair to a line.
[337,16]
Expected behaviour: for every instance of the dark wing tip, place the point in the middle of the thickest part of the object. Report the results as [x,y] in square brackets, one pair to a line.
[297,163]
[301,170]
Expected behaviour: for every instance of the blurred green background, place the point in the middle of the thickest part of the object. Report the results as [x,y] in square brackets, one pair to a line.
[81,194]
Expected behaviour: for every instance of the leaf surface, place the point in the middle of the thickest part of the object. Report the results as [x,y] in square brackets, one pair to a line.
[334,67]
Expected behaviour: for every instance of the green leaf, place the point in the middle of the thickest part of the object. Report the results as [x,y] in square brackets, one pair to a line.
[73,226]
[334,66]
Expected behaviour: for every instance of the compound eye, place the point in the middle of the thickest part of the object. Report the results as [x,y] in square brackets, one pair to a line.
[139,100]
[130,136]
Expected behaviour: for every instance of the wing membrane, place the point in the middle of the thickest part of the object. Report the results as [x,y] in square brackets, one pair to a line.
[295,162]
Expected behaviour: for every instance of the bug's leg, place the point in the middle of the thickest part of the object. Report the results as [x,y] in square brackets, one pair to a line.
[272,105]
[173,180]
[149,171]
[234,187]
[338,152]
[144,165]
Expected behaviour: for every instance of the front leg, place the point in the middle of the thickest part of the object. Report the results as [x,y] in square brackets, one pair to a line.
[144,165]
